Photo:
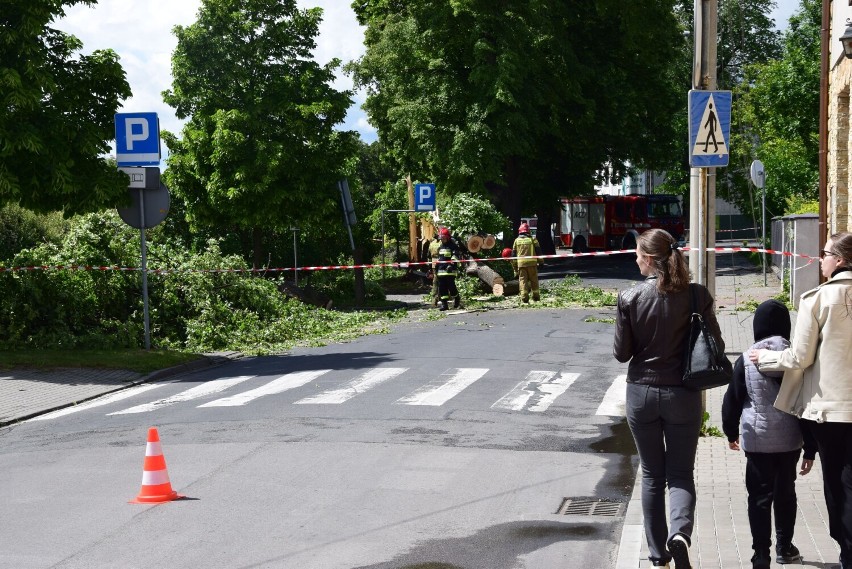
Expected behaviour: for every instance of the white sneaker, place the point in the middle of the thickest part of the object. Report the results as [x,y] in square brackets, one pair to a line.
[679,548]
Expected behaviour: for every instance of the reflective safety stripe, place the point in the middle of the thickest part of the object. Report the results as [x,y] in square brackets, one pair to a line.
[155,477]
[153,449]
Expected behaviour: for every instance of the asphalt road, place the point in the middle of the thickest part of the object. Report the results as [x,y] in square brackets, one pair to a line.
[445,444]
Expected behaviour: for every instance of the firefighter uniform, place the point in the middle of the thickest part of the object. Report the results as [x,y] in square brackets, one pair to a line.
[527,268]
[446,268]
[434,245]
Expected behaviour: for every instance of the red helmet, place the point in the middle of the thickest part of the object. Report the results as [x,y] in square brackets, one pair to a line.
[507,252]
[524,228]
[444,232]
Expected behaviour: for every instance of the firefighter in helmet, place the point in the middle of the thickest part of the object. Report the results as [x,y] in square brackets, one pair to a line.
[434,245]
[527,268]
[446,268]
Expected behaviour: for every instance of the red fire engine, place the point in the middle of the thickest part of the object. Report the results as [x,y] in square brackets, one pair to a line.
[614,222]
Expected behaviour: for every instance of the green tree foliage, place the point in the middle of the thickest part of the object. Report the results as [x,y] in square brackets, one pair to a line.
[21,229]
[745,36]
[778,119]
[57,112]
[524,99]
[469,214]
[196,303]
[259,150]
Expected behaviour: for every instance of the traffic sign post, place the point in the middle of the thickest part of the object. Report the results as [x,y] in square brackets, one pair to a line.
[709,128]
[424,196]
[758,177]
[137,145]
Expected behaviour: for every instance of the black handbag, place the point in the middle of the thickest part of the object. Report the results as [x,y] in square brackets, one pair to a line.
[706,366]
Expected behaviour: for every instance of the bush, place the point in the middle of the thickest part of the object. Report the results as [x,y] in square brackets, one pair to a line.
[201,301]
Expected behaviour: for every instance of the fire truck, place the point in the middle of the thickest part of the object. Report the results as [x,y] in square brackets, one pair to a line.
[614,222]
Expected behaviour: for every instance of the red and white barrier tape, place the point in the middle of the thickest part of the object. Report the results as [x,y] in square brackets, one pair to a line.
[735,230]
[403,265]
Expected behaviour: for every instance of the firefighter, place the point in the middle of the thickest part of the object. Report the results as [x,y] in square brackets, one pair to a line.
[527,268]
[434,245]
[446,268]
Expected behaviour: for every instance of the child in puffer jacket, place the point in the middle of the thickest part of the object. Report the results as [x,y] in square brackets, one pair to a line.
[772,441]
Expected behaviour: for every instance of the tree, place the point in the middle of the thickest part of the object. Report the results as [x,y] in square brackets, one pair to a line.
[778,118]
[523,100]
[259,150]
[745,36]
[57,112]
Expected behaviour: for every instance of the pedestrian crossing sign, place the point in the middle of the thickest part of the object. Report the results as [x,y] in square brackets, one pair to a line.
[709,128]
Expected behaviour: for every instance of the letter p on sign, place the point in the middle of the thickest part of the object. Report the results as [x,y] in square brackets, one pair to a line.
[424,195]
[137,139]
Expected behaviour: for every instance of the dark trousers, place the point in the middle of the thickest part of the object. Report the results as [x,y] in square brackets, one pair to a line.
[447,287]
[771,482]
[665,422]
[834,441]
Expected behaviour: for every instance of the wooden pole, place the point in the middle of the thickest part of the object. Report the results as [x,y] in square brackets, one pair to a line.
[413,249]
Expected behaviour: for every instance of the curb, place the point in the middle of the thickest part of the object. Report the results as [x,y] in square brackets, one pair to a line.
[203,362]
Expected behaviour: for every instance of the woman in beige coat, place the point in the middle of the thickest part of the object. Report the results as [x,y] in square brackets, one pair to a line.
[819,385]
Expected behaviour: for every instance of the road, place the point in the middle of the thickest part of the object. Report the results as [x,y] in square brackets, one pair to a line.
[445,444]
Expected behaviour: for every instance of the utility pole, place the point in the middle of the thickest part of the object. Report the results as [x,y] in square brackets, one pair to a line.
[413,248]
[702,186]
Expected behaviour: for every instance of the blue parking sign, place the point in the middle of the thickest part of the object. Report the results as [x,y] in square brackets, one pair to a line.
[137,139]
[424,197]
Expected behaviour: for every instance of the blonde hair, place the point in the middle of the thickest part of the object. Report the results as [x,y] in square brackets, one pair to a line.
[669,261]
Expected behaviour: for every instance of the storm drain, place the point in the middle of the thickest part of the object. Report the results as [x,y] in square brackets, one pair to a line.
[590,506]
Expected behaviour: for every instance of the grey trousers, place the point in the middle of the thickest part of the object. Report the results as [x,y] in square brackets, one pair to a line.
[665,422]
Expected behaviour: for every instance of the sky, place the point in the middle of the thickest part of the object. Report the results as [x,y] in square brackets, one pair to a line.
[141,33]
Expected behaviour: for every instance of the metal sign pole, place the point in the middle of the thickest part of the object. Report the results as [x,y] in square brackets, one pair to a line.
[383,245]
[144,246]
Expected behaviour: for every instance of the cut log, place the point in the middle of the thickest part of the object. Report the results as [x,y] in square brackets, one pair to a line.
[488,276]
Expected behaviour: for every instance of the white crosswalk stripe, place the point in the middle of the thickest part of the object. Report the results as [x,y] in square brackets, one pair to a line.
[364,382]
[447,386]
[537,392]
[280,385]
[614,400]
[197,392]
[124,394]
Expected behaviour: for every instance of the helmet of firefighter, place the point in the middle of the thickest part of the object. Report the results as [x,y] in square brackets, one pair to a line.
[507,252]
[444,233]
[524,228]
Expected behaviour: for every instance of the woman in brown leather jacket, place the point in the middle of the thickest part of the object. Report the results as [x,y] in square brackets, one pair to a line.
[651,328]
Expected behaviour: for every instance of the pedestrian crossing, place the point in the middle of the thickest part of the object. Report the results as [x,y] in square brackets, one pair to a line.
[536,393]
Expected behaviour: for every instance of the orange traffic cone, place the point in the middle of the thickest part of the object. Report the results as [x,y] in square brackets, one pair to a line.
[155,478]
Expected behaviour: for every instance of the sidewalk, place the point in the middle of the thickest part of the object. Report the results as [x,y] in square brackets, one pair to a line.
[25,393]
[722,539]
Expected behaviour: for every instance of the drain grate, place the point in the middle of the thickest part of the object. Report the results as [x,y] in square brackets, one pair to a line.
[590,506]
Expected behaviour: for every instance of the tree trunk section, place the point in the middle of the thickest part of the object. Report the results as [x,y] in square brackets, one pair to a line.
[487,275]
[256,245]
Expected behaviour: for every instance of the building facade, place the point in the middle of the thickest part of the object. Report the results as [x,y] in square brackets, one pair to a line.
[839,141]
